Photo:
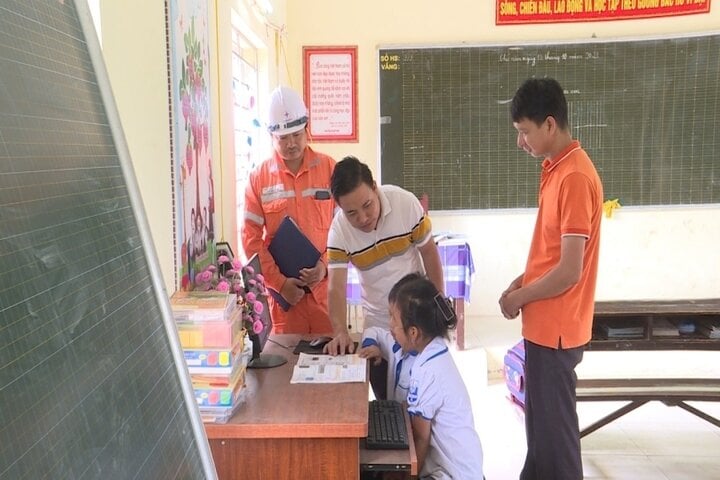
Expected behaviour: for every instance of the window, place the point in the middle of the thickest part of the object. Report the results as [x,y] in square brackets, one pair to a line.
[251,143]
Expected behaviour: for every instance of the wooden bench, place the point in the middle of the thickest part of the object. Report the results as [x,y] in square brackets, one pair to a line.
[639,391]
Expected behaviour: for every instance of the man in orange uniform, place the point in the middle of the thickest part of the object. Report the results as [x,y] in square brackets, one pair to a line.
[557,290]
[294,182]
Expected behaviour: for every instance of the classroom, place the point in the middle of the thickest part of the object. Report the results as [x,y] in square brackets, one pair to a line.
[661,239]
[650,251]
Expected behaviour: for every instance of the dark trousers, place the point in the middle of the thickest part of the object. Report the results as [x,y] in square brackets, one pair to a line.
[551,422]
[378,379]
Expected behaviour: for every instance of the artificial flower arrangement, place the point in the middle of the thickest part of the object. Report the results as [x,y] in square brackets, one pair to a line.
[227,276]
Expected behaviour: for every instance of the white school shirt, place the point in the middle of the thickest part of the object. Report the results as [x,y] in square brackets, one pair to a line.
[437,393]
[399,363]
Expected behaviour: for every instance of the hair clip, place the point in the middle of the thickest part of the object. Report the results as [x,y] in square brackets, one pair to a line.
[445,306]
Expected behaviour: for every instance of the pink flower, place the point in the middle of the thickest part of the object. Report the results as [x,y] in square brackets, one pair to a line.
[250,294]
[258,307]
[257,326]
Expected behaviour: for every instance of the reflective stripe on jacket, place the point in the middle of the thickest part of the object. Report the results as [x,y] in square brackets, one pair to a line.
[274,192]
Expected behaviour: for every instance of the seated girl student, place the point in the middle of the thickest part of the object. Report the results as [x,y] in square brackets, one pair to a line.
[447,445]
[378,344]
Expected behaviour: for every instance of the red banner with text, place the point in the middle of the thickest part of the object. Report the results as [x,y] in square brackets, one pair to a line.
[556,11]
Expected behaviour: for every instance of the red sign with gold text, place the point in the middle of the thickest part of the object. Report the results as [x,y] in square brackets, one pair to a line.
[556,11]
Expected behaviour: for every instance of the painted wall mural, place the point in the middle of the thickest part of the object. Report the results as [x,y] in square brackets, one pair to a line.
[194,187]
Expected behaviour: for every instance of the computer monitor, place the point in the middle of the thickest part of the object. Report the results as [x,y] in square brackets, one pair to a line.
[259,359]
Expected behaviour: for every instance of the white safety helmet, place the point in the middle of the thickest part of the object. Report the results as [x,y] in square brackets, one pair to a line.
[288,113]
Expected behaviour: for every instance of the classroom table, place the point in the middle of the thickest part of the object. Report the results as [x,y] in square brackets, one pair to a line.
[673,392]
[458,270]
[291,431]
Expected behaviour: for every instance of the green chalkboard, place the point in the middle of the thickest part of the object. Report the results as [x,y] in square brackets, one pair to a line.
[647,112]
[93,383]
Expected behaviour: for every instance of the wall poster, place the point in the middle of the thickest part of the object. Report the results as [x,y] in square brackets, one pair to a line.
[509,12]
[330,90]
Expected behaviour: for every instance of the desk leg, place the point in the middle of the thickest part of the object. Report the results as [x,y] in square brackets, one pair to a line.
[696,412]
[613,416]
[459,306]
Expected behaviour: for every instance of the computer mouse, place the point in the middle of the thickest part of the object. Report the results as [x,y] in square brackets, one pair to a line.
[319,342]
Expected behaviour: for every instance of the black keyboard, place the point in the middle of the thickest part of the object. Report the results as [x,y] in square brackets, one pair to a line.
[386,426]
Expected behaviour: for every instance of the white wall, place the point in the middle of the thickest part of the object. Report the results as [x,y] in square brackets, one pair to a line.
[133,42]
[645,252]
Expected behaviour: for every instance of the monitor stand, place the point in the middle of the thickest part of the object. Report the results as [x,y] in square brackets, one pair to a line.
[267,360]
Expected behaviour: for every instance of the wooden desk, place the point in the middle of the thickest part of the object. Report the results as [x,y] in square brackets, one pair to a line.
[286,431]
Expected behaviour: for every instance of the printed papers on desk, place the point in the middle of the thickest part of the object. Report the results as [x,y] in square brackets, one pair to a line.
[329,369]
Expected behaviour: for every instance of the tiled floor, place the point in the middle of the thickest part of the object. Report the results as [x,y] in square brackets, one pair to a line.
[653,442]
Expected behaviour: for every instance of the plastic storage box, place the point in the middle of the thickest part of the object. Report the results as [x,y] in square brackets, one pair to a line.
[209,334]
[514,372]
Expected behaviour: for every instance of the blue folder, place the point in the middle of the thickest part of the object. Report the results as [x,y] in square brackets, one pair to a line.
[292,251]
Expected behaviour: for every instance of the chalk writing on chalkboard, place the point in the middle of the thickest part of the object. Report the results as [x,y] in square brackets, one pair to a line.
[647,111]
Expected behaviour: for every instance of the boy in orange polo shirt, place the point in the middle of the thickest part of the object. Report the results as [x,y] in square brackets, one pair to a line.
[556,293]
